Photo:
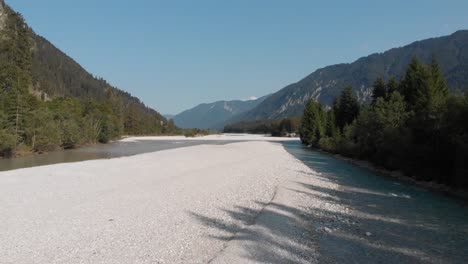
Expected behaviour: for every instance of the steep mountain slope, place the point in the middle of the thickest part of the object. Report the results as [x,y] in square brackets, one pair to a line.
[53,74]
[214,115]
[326,83]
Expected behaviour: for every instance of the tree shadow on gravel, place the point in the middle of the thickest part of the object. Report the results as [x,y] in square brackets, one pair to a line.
[271,235]
[368,219]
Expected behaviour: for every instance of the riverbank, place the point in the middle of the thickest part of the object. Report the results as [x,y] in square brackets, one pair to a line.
[27,151]
[401,176]
[375,219]
[192,204]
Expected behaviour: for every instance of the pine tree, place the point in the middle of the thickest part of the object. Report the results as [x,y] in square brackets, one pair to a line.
[332,130]
[415,80]
[379,90]
[438,79]
[15,48]
[313,123]
[348,108]
[431,91]
[392,113]
[392,86]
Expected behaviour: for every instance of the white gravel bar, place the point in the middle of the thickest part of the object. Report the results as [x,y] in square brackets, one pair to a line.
[228,203]
[216,137]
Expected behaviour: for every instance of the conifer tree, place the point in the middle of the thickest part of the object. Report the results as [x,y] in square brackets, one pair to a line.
[414,80]
[348,108]
[379,90]
[392,86]
[332,130]
[313,124]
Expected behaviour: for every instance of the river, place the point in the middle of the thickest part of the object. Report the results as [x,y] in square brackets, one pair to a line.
[100,151]
[388,221]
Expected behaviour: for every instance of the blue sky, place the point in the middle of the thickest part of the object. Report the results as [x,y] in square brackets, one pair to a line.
[176,54]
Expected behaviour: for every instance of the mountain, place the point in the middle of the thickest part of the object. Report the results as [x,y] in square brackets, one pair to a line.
[48,101]
[326,83]
[53,74]
[214,115]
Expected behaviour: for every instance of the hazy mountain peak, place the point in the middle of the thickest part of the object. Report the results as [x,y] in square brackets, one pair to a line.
[214,115]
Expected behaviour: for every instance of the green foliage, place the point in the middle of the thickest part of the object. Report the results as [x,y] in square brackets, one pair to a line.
[313,124]
[347,108]
[332,129]
[412,125]
[347,144]
[392,86]
[392,113]
[379,90]
[432,93]
[48,101]
[42,131]
[281,127]
[328,144]
[7,143]
[377,124]
[415,84]
[68,113]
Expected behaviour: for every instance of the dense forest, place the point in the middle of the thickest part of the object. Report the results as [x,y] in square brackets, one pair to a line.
[280,127]
[412,124]
[48,101]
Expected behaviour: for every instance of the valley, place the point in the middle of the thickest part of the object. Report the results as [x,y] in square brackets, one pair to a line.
[271,110]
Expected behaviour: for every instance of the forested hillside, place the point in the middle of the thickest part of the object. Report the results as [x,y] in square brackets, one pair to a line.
[412,124]
[47,100]
[325,84]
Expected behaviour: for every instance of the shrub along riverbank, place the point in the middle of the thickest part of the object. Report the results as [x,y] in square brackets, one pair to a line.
[412,125]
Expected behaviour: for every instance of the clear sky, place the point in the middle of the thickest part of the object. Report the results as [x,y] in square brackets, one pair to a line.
[176,54]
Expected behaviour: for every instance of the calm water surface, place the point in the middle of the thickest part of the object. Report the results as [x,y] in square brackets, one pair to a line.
[104,151]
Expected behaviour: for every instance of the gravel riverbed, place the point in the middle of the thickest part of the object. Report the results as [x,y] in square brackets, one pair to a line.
[249,202]
[234,203]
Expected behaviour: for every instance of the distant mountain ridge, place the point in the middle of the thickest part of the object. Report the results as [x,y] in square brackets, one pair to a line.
[326,83]
[214,115]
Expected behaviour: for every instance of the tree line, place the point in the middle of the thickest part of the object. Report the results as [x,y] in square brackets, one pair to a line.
[279,127]
[412,124]
[30,121]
